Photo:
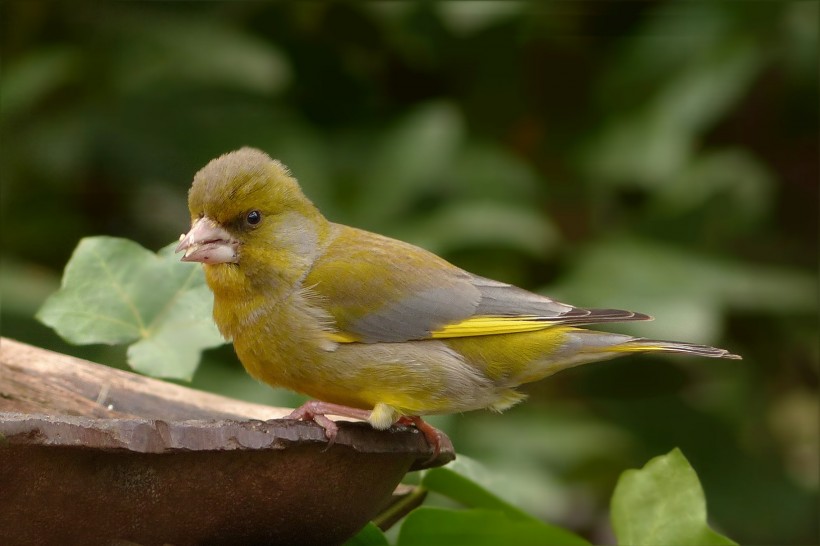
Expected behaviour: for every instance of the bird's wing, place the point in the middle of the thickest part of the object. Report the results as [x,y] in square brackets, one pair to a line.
[379,289]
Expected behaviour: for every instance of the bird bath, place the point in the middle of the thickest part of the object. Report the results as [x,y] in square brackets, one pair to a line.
[91,454]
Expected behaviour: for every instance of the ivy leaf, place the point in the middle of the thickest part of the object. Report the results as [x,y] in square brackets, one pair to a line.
[662,503]
[116,292]
[468,482]
[370,535]
[490,518]
[479,527]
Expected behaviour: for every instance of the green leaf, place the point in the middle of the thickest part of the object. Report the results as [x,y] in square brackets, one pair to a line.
[115,292]
[469,483]
[370,535]
[530,470]
[431,526]
[662,503]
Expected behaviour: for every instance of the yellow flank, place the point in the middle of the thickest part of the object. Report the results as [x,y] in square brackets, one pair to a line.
[361,320]
[513,359]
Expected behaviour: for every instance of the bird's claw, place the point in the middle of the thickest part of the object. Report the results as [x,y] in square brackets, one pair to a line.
[431,434]
[317,412]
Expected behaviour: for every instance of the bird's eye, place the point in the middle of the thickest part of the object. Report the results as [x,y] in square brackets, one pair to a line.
[253,217]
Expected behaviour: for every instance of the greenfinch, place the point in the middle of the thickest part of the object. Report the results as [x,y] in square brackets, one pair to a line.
[372,327]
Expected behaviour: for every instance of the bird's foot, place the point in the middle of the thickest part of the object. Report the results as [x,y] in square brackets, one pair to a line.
[431,434]
[317,412]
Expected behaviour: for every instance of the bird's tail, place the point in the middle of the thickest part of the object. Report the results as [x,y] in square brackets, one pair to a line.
[580,346]
[609,345]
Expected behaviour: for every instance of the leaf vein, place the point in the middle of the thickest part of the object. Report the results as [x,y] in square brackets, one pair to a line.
[126,298]
[171,302]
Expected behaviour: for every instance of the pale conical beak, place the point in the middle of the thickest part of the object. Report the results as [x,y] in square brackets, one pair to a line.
[209,243]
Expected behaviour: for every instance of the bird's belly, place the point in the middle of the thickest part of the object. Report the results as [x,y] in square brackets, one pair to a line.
[415,378]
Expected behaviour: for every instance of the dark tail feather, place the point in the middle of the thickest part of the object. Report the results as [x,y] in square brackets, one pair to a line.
[596,316]
[651,345]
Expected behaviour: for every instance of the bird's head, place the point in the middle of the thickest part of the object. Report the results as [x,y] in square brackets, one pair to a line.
[249,214]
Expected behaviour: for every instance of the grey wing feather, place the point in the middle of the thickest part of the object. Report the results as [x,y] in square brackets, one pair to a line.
[500,299]
[425,311]
[416,316]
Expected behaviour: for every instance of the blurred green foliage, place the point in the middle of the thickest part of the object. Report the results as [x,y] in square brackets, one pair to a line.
[657,156]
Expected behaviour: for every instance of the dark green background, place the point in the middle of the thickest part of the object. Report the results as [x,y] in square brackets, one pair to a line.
[659,156]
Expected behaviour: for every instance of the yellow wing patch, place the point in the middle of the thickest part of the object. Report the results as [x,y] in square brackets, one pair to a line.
[340,337]
[486,326]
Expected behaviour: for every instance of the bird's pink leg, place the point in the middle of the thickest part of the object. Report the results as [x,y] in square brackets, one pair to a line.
[317,411]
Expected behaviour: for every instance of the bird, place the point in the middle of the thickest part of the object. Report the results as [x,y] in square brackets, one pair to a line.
[371,327]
